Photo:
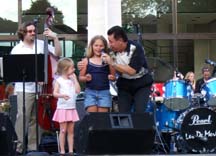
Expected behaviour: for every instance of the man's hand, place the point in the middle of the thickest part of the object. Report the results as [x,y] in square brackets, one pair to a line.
[47,32]
[111,77]
[107,59]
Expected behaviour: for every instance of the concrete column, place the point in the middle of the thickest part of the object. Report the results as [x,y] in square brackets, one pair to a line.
[201,52]
[103,14]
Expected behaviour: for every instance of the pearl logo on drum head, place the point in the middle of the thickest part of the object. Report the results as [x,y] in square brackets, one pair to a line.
[197,121]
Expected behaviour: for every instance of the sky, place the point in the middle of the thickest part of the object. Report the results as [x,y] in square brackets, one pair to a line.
[10,8]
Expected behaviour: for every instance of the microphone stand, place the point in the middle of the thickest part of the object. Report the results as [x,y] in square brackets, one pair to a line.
[36,83]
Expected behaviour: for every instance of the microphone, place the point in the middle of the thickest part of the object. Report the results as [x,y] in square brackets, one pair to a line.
[208,61]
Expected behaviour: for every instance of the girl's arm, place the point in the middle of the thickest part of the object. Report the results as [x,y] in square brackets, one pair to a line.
[76,83]
[83,77]
[56,93]
[112,76]
[56,89]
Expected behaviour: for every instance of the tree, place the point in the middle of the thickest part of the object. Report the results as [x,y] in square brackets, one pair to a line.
[38,11]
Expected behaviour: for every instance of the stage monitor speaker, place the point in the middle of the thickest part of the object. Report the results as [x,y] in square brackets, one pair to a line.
[7,136]
[114,133]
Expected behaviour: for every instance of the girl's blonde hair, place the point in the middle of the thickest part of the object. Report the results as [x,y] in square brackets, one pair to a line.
[63,65]
[90,52]
[188,75]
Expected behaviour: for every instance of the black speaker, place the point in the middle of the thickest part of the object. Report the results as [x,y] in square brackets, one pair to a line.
[114,133]
[7,136]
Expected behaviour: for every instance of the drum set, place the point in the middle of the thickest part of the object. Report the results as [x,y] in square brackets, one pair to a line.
[189,118]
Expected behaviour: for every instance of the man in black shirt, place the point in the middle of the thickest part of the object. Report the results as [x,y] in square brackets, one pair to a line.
[200,82]
[128,59]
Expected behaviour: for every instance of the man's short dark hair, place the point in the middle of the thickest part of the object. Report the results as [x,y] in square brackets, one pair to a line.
[205,69]
[118,32]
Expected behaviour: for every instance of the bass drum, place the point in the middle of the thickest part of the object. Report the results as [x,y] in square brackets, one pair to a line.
[198,129]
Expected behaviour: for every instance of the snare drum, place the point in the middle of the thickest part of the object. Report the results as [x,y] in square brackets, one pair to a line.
[198,128]
[177,94]
[209,91]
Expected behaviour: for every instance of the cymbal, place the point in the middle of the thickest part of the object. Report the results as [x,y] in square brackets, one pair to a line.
[161,70]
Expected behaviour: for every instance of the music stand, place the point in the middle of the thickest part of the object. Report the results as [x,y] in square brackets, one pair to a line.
[21,68]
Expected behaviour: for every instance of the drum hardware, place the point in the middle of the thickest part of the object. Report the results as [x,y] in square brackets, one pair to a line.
[173,148]
[180,144]
[174,130]
[198,99]
[208,61]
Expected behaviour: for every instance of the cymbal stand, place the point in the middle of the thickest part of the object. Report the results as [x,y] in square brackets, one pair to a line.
[158,134]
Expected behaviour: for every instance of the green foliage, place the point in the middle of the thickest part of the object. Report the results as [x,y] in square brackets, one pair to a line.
[141,8]
[38,10]
[77,56]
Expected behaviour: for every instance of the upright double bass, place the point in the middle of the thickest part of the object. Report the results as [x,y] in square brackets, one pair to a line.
[46,102]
